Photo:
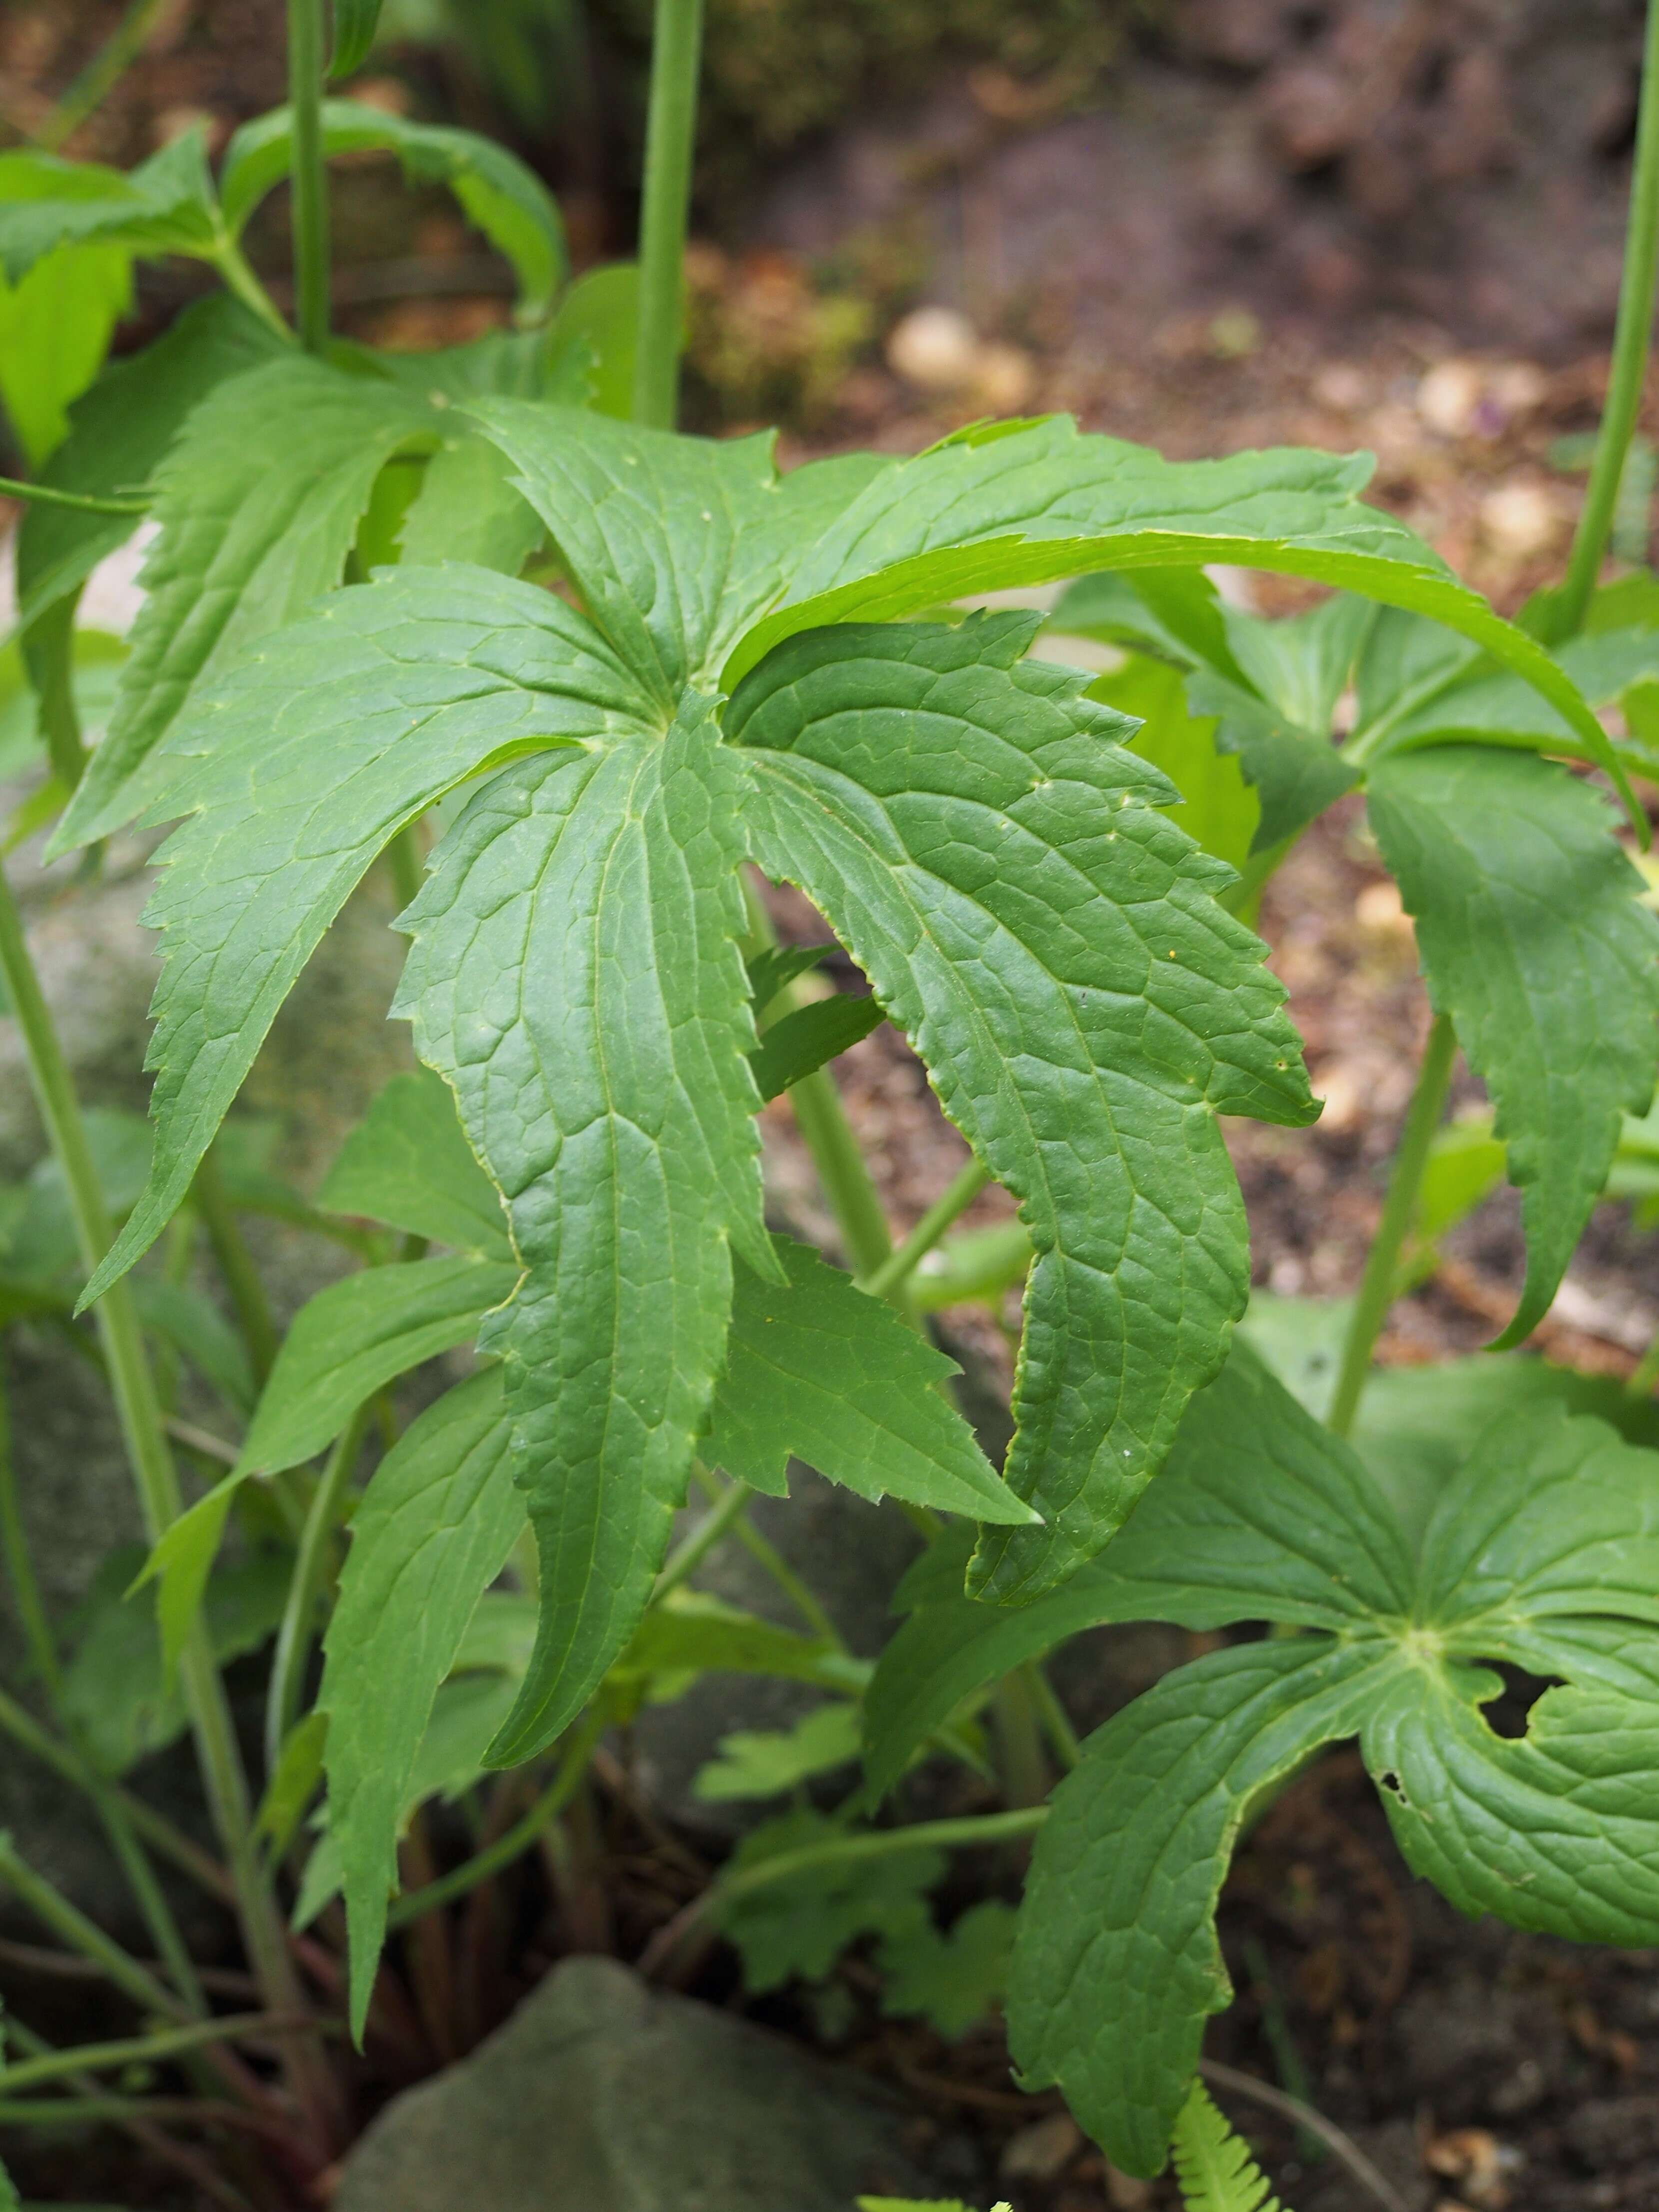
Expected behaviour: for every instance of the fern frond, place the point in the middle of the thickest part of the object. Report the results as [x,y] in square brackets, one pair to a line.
[1212,2165]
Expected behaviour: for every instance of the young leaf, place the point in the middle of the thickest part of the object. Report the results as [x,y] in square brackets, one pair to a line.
[799,1924]
[1214,2168]
[55,324]
[953,1980]
[166,205]
[793,1046]
[408,1163]
[1532,939]
[433,1530]
[1052,946]
[820,1372]
[507,202]
[575,974]
[1117,1962]
[355,25]
[755,1762]
[308,761]
[243,546]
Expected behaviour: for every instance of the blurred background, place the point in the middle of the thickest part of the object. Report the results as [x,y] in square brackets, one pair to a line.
[1207,223]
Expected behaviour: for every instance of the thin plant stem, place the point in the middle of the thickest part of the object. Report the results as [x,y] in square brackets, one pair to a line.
[669,137]
[234,267]
[72,1927]
[1378,1284]
[235,1264]
[688,1557]
[889,1280]
[1632,336]
[139,2049]
[305,56]
[1056,1721]
[406,864]
[508,1845]
[1341,2146]
[157,1484]
[43,1650]
[310,1567]
[50,652]
[85,502]
[1019,1729]
[771,1562]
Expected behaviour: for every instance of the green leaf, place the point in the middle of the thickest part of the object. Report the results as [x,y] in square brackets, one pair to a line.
[243,547]
[408,1163]
[117,1692]
[1259,1513]
[466,509]
[764,1763]
[799,1924]
[1213,2166]
[776,966]
[953,1980]
[819,1371]
[164,206]
[1218,811]
[1116,1962]
[345,1344]
[601,311]
[299,1771]
[675,543]
[507,202]
[433,1530]
[118,432]
[1020,505]
[687,1632]
[1052,947]
[193,1325]
[307,761]
[1497,709]
[800,1042]
[55,329]
[575,974]
[355,25]
[1532,939]
[1465,1165]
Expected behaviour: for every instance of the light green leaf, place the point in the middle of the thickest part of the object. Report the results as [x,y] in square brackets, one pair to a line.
[507,202]
[164,206]
[973,829]
[244,547]
[298,1773]
[466,509]
[1496,707]
[1532,939]
[1218,810]
[601,311]
[193,1325]
[408,1163]
[818,1371]
[575,974]
[688,1632]
[355,25]
[1008,505]
[954,1979]
[800,1042]
[764,1763]
[1116,1962]
[1213,2166]
[297,772]
[55,329]
[1465,1165]
[433,1530]
[799,1924]
[1259,1513]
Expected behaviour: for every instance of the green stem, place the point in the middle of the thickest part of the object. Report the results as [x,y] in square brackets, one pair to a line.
[889,1280]
[980,1265]
[511,1841]
[972,1830]
[1019,1740]
[406,864]
[157,1483]
[669,138]
[1056,1721]
[85,501]
[771,1562]
[1377,1283]
[305,58]
[237,272]
[310,1567]
[49,649]
[691,1555]
[1632,335]
[235,1264]
[133,2051]
[71,1926]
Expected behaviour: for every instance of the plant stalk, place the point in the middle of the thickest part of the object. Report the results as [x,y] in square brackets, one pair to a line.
[310,1564]
[670,139]
[768,1558]
[685,1560]
[889,1280]
[1632,336]
[235,1264]
[307,55]
[1377,1283]
[84,502]
[157,1484]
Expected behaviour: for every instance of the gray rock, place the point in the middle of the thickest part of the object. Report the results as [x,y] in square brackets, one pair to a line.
[603,2096]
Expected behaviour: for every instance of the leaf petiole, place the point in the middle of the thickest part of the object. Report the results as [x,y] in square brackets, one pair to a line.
[889,1280]
[84,502]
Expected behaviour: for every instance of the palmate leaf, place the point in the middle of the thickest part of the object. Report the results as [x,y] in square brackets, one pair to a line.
[574,969]
[436,1523]
[1532,939]
[1051,945]
[1541,1553]
[815,1371]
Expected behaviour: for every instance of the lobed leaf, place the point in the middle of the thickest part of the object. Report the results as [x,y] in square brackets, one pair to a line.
[166,205]
[1212,2166]
[1532,939]
[818,1371]
[408,1163]
[574,976]
[1052,946]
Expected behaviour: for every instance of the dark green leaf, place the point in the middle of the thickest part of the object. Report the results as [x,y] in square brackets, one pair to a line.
[355,25]
[435,1524]
[799,1924]
[1532,939]
[955,1980]
[754,1763]
[774,969]
[408,1163]
[575,974]
[689,1633]
[820,1372]
[1052,946]
[798,1043]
